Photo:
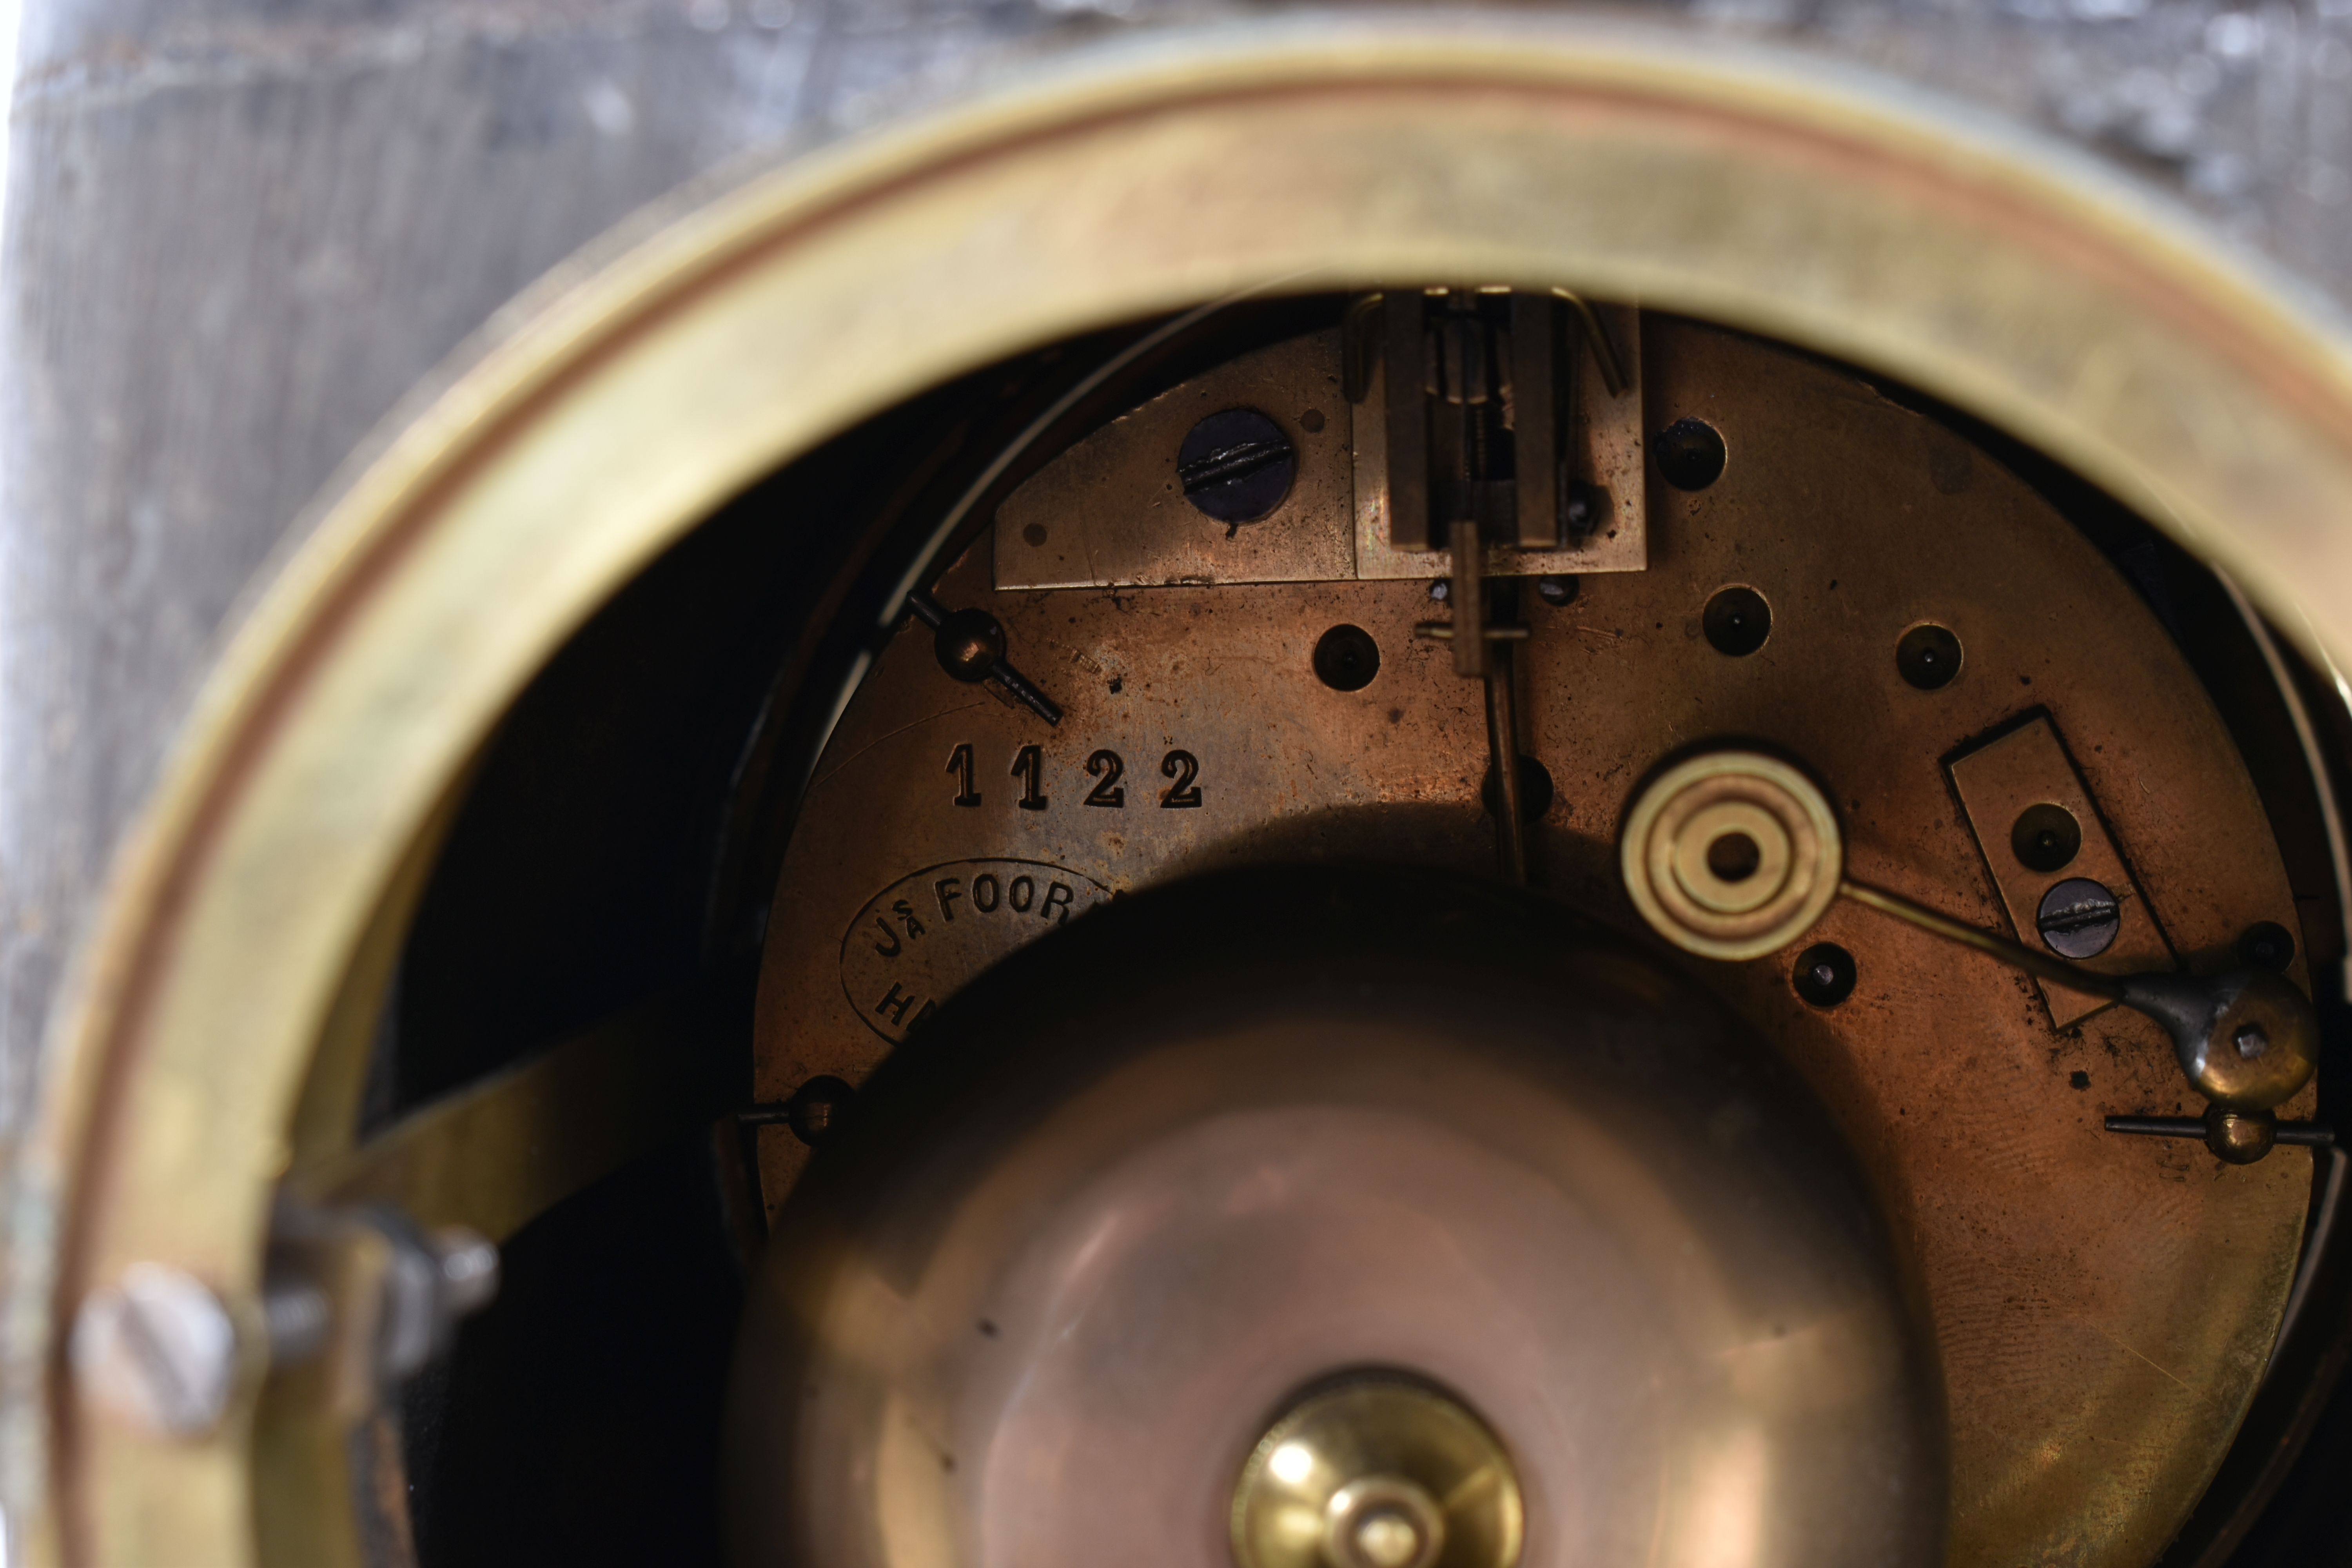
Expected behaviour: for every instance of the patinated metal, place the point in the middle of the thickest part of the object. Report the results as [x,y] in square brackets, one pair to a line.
[2025,771]
[1137,527]
[2094,1373]
[2046,1247]
[1104,1231]
[1112,511]
[2029,289]
[2245,1039]
[1606,449]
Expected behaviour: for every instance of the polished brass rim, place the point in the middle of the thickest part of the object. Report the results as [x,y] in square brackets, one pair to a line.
[2007,277]
[1378,1472]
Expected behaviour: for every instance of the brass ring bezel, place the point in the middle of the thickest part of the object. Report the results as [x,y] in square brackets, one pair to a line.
[2003,273]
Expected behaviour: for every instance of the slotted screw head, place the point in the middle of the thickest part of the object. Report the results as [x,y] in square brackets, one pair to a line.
[1236,466]
[2079,918]
[157,1350]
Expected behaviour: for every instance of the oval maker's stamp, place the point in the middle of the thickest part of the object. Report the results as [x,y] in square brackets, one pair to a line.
[921,939]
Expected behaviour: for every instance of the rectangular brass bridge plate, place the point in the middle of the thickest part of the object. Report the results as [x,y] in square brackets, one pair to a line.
[1109,513]
[2008,776]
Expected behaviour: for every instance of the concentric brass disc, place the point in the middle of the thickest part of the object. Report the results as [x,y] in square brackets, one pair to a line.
[1732,853]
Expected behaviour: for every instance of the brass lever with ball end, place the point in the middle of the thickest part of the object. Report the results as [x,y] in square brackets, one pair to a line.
[2246,1040]
[970,647]
[1736,854]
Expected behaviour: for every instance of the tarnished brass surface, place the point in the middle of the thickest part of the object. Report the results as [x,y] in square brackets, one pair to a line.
[2104,1305]
[2000,273]
[1109,513]
[1610,451]
[2027,768]
[2247,1041]
[1135,526]
[1153,1181]
[2001,949]
[498,1153]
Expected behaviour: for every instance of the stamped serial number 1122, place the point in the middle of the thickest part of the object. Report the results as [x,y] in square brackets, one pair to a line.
[1180,768]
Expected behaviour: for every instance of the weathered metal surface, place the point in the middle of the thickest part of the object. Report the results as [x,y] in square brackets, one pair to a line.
[2104,1305]
[75,693]
[1607,446]
[241,231]
[922,940]
[2027,768]
[1228,747]
[1240,1135]
[501,1152]
[240,235]
[1110,512]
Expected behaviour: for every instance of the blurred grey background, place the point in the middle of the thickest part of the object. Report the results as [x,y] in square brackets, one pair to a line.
[239,231]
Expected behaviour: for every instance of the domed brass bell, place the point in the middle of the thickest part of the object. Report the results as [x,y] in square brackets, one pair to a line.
[1360,1218]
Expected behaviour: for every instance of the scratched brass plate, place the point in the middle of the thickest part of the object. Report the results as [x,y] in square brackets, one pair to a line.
[1607,440]
[2015,773]
[1111,514]
[2103,1305]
